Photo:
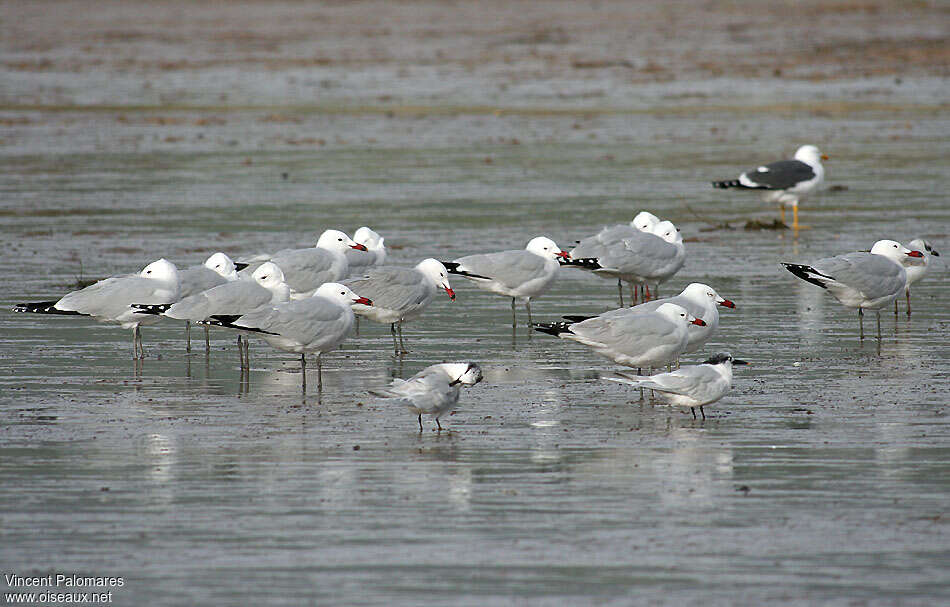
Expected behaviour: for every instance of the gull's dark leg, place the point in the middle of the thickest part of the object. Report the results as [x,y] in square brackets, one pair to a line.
[514,322]
[620,291]
[303,373]
[319,370]
[694,412]
[207,340]
[187,336]
[861,322]
[703,412]
[527,304]
[438,424]
[879,325]
[392,330]
[907,293]
[420,423]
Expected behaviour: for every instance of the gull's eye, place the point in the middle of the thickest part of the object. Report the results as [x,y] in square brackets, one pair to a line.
[148,271]
[264,277]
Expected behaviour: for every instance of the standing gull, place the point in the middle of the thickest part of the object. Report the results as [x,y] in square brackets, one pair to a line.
[692,386]
[318,323]
[638,340]
[861,280]
[786,181]
[110,300]
[700,300]
[596,245]
[266,286]
[308,268]
[916,267]
[433,391]
[639,258]
[519,274]
[218,269]
[400,294]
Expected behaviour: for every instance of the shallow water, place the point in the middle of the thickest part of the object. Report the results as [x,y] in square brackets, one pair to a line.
[822,478]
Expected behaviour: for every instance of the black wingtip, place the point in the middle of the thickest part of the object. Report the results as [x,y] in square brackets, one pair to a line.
[587,263]
[44,307]
[453,268]
[806,273]
[240,265]
[552,328]
[150,308]
[228,320]
[729,183]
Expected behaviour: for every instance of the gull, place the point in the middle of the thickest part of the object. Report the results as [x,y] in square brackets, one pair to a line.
[308,268]
[109,300]
[373,255]
[691,386]
[862,279]
[596,245]
[216,270]
[266,286]
[916,267]
[700,300]
[786,181]
[638,258]
[519,274]
[318,323]
[433,391]
[400,294]
[632,339]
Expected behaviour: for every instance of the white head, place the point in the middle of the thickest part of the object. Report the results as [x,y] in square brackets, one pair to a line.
[645,221]
[222,264]
[810,154]
[335,240]
[545,247]
[268,275]
[162,270]
[271,277]
[894,250]
[679,314]
[462,373]
[702,294]
[369,238]
[342,294]
[668,232]
[436,273]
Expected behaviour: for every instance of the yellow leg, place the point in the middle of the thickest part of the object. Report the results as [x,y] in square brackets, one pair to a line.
[782,208]
[795,217]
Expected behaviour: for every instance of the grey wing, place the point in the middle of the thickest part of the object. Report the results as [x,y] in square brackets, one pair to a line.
[427,390]
[651,306]
[626,332]
[303,319]
[873,275]
[688,381]
[360,259]
[306,269]
[236,297]
[510,268]
[392,288]
[779,175]
[197,279]
[111,298]
[642,254]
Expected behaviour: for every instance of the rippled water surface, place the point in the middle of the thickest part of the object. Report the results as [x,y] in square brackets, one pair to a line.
[823,477]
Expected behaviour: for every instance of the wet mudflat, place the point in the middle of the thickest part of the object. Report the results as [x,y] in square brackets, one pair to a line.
[823,477]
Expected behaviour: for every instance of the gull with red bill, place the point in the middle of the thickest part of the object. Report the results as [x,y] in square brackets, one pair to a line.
[700,300]
[400,294]
[518,274]
[633,339]
[318,323]
[308,268]
[863,280]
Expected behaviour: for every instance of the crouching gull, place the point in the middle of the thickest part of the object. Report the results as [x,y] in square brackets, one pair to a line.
[786,181]
[862,279]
